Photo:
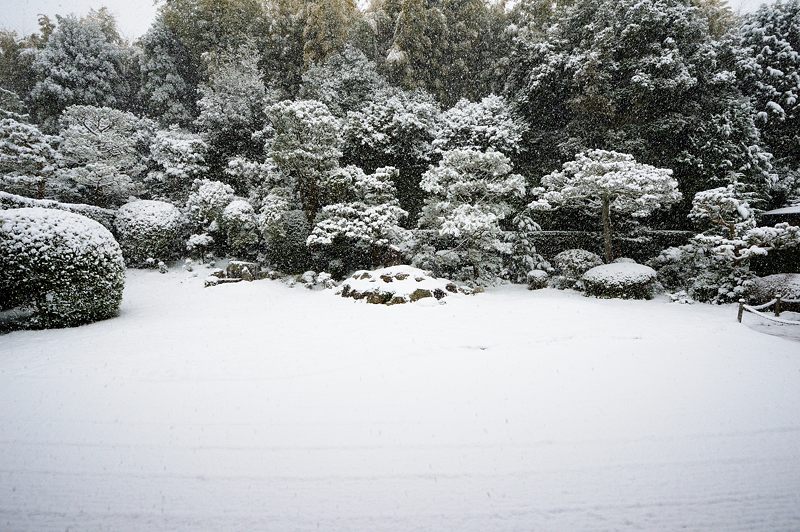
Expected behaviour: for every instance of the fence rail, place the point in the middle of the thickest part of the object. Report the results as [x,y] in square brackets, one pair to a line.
[778,305]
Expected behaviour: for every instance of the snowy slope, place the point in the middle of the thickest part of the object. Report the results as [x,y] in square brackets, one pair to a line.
[254,406]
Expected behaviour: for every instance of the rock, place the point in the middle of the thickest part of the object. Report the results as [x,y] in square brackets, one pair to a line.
[401,276]
[387,278]
[218,273]
[397,300]
[261,275]
[438,293]
[420,293]
[246,275]
[378,298]
[236,267]
[365,275]
[211,281]
[452,288]
[162,267]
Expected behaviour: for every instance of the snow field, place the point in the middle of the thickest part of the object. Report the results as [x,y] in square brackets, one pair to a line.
[257,406]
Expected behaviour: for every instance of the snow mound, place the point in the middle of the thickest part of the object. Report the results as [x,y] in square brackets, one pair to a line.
[397,285]
[64,268]
[148,231]
[622,279]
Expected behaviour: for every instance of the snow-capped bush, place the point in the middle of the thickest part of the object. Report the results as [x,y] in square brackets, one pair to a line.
[285,232]
[361,226]
[199,245]
[207,200]
[537,279]
[103,216]
[240,228]
[620,280]
[572,264]
[149,232]
[61,269]
[763,289]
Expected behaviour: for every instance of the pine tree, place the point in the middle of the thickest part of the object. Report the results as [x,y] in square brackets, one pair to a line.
[27,159]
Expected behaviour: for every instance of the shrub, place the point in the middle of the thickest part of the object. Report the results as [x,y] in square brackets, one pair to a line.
[763,289]
[286,240]
[621,280]
[572,264]
[240,228]
[148,232]
[62,269]
[537,279]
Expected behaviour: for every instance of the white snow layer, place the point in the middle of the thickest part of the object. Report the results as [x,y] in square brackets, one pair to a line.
[254,406]
[620,273]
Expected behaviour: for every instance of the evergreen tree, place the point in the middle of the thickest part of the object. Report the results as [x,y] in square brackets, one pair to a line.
[395,128]
[27,159]
[642,77]
[82,63]
[168,77]
[344,82]
[304,141]
[771,75]
[232,106]
[328,24]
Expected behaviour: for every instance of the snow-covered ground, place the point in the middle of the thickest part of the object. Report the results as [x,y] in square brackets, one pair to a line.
[255,406]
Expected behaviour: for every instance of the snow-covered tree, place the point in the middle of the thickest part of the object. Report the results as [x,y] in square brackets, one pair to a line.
[232,105]
[27,158]
[178,158]
[343,82]
[395,128]
[715,265]
[207,201]
[489,123]
[80,64]
[643,77]
[610,183]
[471,193]
[327,27]
[723,210]
[304,141]
[103,153]
[168,77]
[771,75]
[361,222]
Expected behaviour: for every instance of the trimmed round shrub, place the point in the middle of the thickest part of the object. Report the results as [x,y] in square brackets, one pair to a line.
[537,279]
[620,280]
[765,288]
[58,269]
[149,232]
[572,264]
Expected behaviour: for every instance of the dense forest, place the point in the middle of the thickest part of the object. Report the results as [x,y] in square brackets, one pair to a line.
[435,132]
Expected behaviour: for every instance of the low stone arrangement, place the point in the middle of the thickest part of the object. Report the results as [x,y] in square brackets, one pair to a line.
[237,271]
[397,285]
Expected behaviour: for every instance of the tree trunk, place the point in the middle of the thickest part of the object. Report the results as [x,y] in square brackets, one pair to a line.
[607,231]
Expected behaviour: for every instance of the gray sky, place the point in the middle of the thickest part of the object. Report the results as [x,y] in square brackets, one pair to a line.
[133,16]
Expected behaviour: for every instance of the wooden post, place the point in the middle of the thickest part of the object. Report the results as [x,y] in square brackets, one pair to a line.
[741,310]
[777,305]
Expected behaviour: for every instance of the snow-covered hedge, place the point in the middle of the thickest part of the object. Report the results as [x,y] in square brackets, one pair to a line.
[149,232]
[763,289]
[98,214]
[572,264]
[622,280]
[58,269]
[241,228]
